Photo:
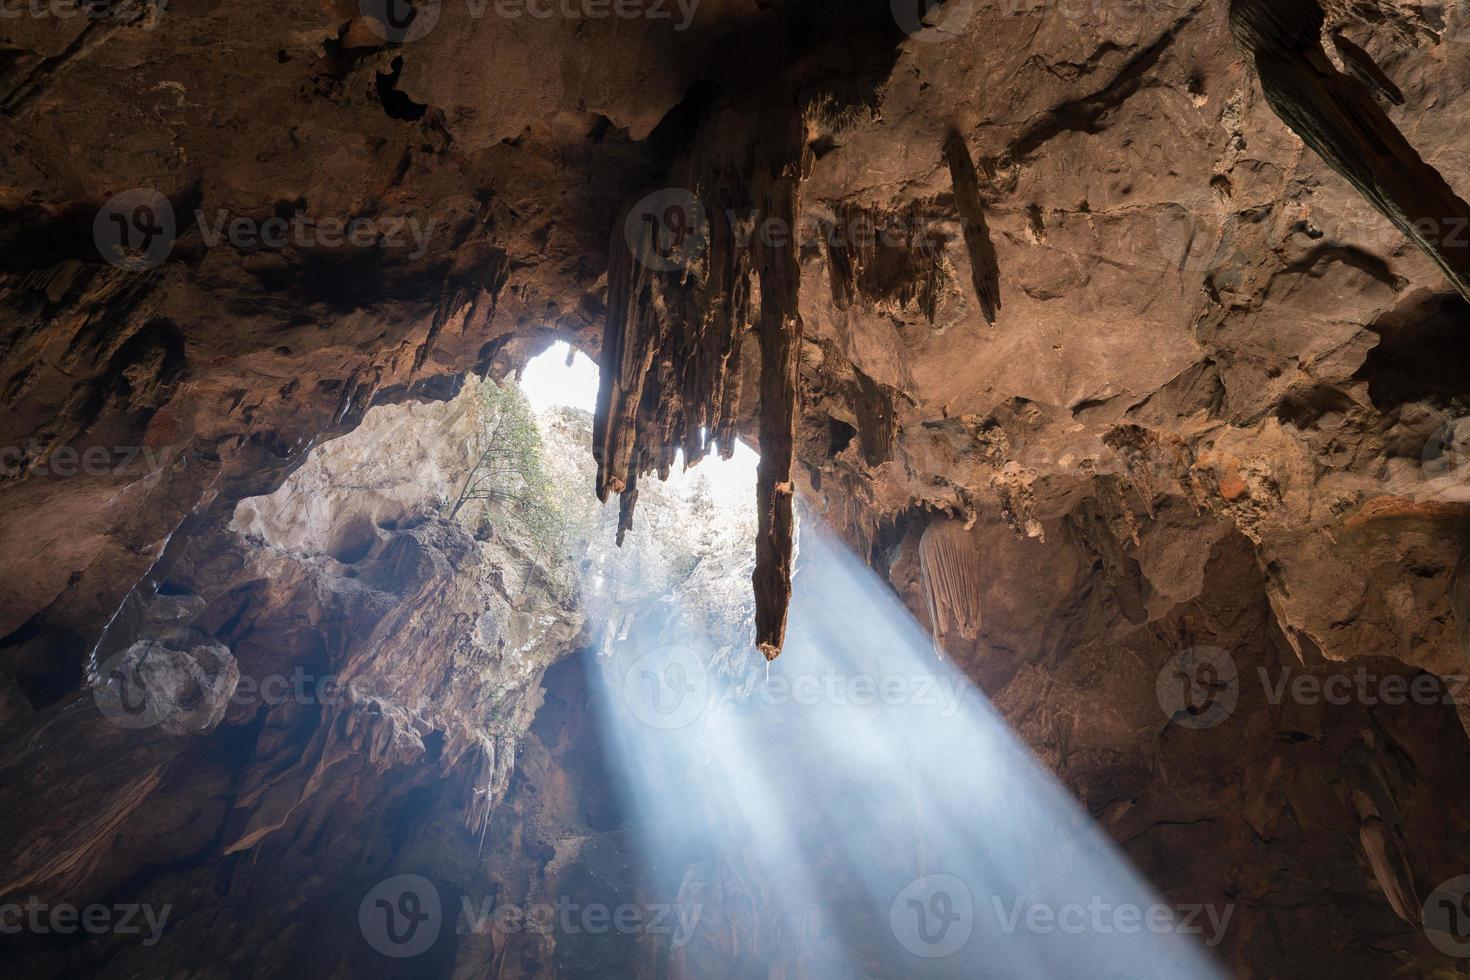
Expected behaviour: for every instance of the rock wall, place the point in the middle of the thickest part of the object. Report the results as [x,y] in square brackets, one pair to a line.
[1095,283]
[329,688]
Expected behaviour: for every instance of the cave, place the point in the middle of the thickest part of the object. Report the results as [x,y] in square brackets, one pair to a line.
[735,489]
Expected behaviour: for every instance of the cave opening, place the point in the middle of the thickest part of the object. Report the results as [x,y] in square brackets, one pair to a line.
[1070,575]
[820,792]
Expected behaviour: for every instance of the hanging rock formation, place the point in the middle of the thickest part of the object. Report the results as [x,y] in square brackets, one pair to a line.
[1338,118]
[1360,65]
[680,303]
[984,266]
[951,567]
[1226,409]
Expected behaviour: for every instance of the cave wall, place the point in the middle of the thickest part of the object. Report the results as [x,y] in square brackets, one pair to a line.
[330,689]
[1151,350]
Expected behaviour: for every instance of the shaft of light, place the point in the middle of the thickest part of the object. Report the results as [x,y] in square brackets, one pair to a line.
[864,811]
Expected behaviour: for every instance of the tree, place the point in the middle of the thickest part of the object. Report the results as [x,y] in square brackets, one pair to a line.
[507,476]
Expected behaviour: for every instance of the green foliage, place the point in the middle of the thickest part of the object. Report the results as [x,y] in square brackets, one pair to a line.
[507,481]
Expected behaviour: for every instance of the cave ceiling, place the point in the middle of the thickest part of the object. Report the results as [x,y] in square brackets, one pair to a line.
[1024,255]
[1094,327]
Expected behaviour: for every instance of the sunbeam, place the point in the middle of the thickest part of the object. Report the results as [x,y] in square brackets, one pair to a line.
[880,807]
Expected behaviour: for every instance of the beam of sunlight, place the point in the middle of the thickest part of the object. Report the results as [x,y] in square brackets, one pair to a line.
[862,810]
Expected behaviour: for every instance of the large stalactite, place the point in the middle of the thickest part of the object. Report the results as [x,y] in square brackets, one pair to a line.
[952,574]
[680,301]
[984,265]
[779,328]
[1337,116]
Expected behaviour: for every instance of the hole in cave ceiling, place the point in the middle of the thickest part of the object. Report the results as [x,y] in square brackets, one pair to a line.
[560,377]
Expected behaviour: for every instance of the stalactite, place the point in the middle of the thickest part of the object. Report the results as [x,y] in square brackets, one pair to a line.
[984,263]
[1337,117]
[1386,858]
[1460,600]
[779,329]
[1360,64]
[672,343]
[670,378]
[952,576]
[888,258]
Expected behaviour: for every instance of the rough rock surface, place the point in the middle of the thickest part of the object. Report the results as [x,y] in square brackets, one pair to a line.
[1207,396]
[331,744]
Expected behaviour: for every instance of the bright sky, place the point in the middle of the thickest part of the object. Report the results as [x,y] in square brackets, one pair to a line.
[549,382]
